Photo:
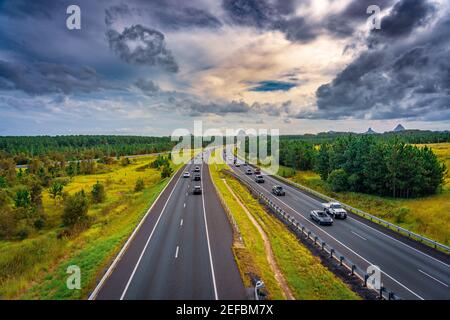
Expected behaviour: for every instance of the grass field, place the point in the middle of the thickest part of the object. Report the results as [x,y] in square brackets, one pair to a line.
[306,276]
[35,268]
[429,216]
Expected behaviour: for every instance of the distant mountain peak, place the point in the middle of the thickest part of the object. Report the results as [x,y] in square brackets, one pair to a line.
[370,131]
[399,127]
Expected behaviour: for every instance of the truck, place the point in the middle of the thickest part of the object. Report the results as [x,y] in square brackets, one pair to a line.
[335,210]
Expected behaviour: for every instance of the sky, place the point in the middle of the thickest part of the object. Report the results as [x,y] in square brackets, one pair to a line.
[149,67]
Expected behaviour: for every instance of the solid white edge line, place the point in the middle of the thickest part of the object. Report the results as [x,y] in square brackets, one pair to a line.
[444,284]
[108,272]
[361,257]
[176,252]
[181,223]
[366,225]
[207,238]
[148,241]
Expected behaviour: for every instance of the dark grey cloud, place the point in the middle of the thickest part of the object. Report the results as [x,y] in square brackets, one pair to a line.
[165,14]
[194,107]
[405,17]
[147,87]
[271,15]
[408,78]
[142,46]
[44,78]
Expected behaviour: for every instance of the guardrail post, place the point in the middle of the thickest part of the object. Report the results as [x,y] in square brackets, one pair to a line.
[381,292]
[353,270]
[315,239]
[366,277]
[341,260]
[391,295]
[323,245]
[331,253]
[309,234]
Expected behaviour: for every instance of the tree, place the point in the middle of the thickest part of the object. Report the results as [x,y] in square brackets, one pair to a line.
[338,180]
[56,190]
[140,185]
[75,209]
[323,161]
[98,193]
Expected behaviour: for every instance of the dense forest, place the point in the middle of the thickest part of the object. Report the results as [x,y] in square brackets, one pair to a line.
[80,147]
[368,164]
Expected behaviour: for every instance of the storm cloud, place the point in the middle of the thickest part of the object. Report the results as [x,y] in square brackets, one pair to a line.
[45,78]
[406,79]
[142,46]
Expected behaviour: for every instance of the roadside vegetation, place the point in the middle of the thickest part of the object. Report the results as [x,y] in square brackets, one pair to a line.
[51,219]
[306,276]
[429,215]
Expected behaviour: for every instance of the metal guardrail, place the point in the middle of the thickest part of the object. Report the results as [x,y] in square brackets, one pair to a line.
[303,233]
[387,224]
[371,217]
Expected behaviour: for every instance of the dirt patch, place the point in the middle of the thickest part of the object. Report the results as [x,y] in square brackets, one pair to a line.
[269,252]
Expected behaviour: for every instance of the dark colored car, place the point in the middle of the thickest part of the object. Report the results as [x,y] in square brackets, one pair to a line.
[278,191]
[321,217]
[197,169]
[259,179]
[257,171]
[197,190]
[248,171]
[197,177]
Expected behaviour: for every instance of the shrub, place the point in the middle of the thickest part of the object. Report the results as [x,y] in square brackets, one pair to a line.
[140,185]
[166,171]
[125,161]
[98,193]
[23,233]
[75,209]
[22,199]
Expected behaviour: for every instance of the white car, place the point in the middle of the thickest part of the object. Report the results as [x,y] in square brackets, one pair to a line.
[335,210]
[186,175]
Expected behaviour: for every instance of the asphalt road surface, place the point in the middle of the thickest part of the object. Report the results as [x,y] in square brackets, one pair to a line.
[181,251]
[409,272]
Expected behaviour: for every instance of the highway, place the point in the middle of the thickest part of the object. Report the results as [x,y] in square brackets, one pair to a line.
[408,271]
[182,250]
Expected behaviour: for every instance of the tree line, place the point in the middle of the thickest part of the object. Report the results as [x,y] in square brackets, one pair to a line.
[22,148]
[364,163]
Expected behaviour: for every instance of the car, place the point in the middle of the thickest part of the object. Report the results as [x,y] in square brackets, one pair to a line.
[238,164]
[197,169]
[335,210]
[248,171]
[257,171]
[197,190]
[278,191]
[259,179]
[186,175]
[245,164]
[197,177]
[321,217]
